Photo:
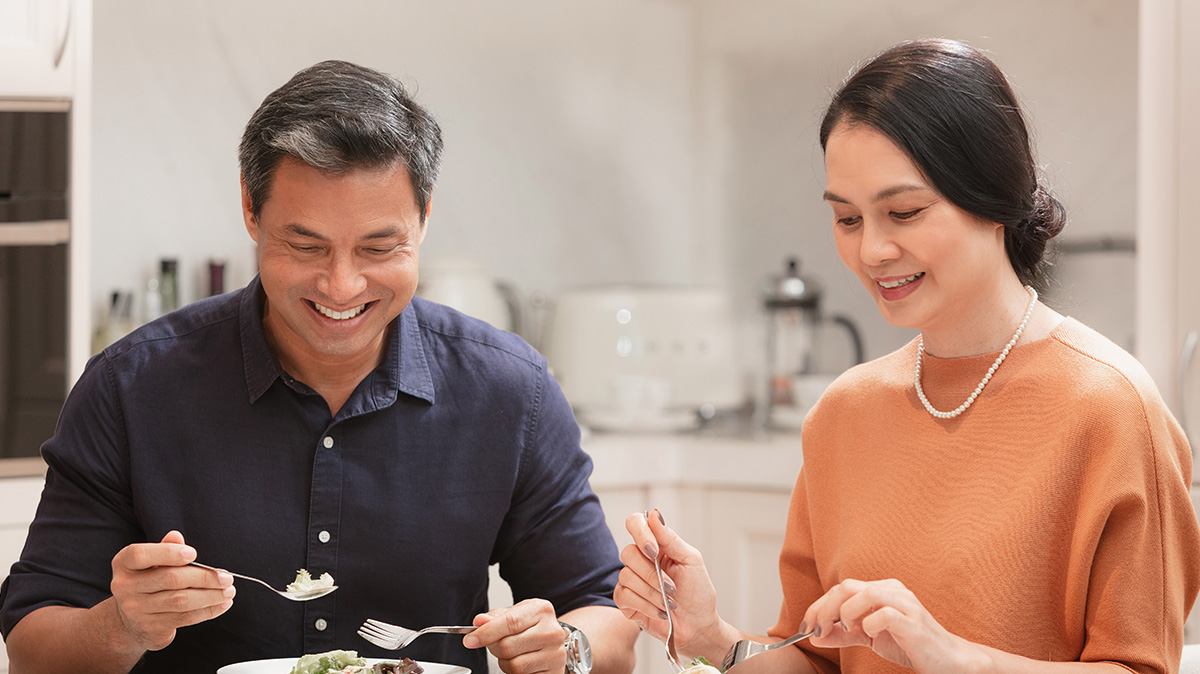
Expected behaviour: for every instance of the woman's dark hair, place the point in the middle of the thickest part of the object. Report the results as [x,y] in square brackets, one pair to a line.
[952,111]
[336,116]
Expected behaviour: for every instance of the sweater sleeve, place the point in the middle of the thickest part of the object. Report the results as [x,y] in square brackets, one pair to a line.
[1145,573]
[800,579]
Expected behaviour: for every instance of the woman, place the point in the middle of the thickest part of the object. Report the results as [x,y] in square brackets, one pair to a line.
[1008,492]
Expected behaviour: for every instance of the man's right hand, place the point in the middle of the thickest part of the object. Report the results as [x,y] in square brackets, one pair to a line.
[156,592]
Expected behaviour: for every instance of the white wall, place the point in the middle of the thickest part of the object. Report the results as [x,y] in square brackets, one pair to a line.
[591,140]
[569,150]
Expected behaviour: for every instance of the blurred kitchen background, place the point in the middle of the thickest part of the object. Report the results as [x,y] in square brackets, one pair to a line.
[645,142]
[634,186]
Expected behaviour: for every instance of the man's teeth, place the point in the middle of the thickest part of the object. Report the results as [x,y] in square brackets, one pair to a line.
[340,315]
[901,282]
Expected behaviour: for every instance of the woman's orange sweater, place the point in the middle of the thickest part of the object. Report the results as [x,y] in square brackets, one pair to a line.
[1051,520]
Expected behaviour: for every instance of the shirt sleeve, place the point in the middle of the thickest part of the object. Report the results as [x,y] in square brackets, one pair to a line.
[85,514]
[554,543]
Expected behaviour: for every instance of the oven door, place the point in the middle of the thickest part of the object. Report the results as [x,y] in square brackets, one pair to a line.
[33,345]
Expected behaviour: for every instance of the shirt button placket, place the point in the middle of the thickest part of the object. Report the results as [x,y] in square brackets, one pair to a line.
[324,517]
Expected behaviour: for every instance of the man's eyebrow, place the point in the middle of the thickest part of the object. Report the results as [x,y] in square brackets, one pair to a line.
[301,230]
[883,194]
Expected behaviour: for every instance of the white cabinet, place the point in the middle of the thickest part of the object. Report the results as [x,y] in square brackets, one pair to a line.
[37,48]
[18,501]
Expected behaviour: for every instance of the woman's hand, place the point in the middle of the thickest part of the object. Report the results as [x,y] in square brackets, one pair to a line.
[888,618]
[693,601]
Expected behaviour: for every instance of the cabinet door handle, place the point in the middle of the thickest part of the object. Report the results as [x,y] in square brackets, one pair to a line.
[66,34]
[1185,364]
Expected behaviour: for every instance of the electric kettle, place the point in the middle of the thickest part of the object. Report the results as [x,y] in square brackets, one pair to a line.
[463,284]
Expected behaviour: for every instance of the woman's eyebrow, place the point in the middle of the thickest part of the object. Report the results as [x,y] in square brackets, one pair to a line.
[883,194]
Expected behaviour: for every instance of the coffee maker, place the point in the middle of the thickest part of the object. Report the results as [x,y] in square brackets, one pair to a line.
[796,329]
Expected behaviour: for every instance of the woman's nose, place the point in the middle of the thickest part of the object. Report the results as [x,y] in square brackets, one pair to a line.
[877,246]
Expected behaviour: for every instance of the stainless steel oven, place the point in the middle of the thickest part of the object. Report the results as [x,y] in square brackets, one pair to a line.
[34,235]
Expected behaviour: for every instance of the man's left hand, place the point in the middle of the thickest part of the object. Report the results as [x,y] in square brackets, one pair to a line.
[525,638]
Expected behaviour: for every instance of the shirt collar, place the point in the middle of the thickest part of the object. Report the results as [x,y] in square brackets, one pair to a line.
[404,367]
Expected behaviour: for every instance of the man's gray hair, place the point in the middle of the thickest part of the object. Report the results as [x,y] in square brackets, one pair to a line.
[336,116]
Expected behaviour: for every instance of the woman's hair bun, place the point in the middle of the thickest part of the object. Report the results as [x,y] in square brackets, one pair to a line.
[1049,215]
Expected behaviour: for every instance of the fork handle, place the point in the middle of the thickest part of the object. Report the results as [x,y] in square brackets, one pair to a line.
[235,575]
[789,641]
[457,629]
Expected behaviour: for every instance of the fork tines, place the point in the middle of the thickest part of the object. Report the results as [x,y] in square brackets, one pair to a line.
[383,635]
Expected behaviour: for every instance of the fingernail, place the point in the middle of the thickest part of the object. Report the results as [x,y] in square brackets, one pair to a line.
[471,641]
[803,627]
[228,592]
[845,627]
[670,587]
[662,614]
[817,631]
[650,550]
[660,517]
[225,578]
[672,604]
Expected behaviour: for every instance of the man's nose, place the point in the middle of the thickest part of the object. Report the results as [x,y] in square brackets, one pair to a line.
[342,281]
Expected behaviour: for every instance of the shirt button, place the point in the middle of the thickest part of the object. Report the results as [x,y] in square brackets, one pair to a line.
[323,537]
[328,442]
[320,624]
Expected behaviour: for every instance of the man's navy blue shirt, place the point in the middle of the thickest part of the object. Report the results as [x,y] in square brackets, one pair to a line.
[457,452]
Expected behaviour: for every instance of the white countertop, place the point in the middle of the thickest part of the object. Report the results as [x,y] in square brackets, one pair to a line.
[767,461]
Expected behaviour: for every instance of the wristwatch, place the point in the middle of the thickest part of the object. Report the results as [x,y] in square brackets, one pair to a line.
[579,651]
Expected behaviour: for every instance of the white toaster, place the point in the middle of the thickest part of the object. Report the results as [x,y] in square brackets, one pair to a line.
[644,357]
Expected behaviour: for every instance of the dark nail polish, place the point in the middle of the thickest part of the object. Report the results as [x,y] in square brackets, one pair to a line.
[817,631]
[662,614]
[650,550]
[672,604]
[660,517]
[803,627]
[669,587]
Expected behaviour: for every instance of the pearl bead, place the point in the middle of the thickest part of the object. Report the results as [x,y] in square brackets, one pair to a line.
[986,378]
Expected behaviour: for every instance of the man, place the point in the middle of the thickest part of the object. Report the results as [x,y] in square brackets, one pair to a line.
[322,418]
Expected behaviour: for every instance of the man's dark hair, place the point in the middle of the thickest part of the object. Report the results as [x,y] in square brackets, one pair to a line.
[336,116]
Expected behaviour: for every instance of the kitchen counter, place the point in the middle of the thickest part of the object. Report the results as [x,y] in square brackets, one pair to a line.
[766,462]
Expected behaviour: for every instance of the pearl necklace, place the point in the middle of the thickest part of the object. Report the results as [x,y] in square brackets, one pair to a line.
[986,378]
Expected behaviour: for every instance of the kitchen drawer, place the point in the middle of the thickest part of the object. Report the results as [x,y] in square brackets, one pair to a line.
[18,500]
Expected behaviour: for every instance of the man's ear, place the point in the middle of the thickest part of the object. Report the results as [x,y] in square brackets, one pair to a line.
[425,221]
[248,211]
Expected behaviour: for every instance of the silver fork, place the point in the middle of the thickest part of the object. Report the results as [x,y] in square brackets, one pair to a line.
[394,637]
[669,644]
[746,648]
[294,595]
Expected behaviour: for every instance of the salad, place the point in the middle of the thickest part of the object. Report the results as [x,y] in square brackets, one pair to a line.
[306,583]
[700,666]
[349,662]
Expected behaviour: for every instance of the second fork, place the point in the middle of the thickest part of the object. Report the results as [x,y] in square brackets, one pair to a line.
[394,637]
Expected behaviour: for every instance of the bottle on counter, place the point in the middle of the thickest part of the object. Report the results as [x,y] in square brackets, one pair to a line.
[117,323]
[168,284]
[151,301]
[216,277]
